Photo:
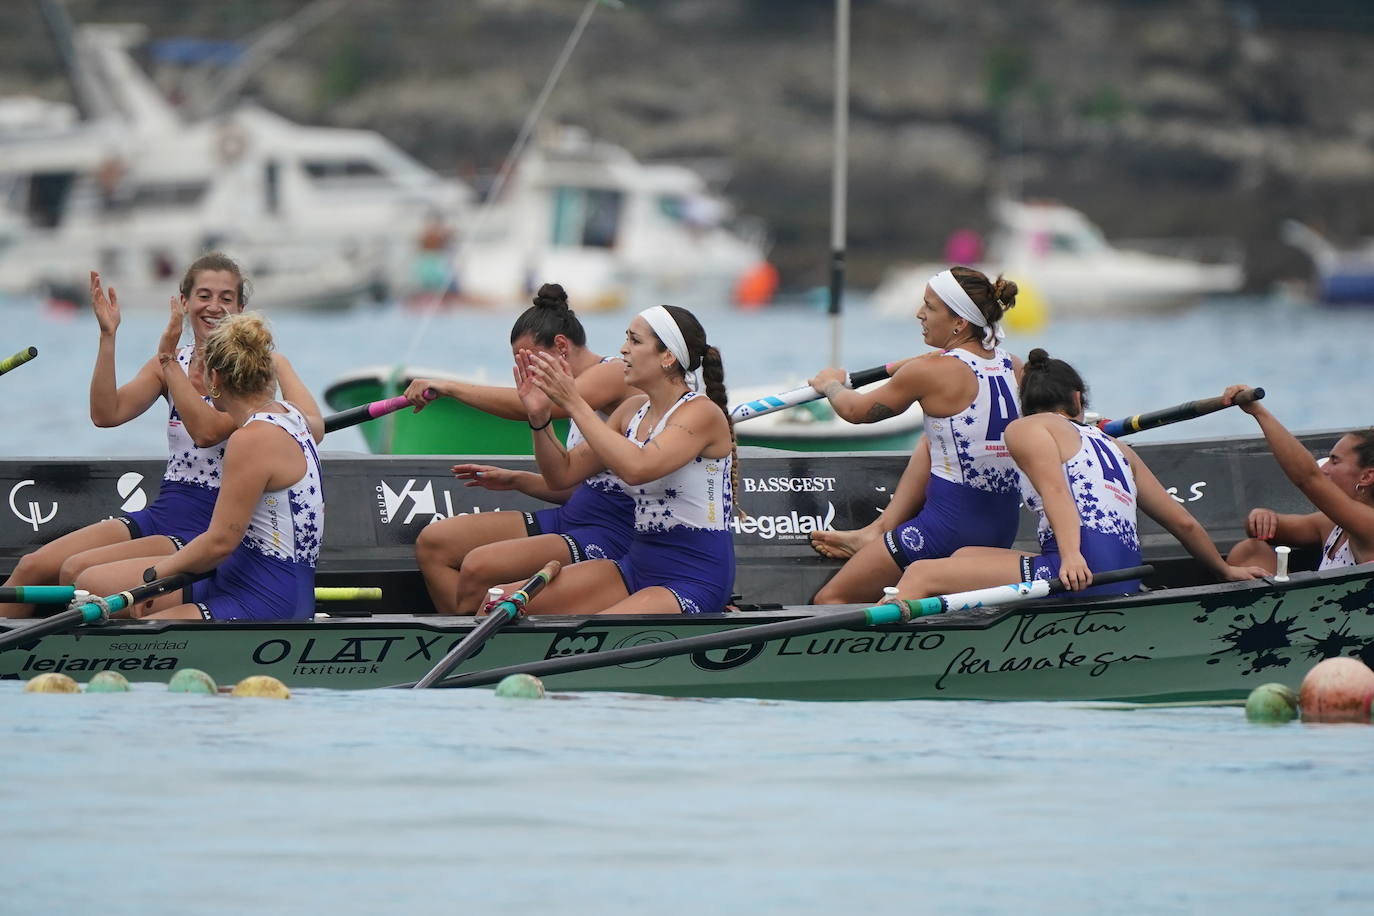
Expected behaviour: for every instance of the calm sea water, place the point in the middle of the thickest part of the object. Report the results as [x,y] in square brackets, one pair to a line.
[1305,358]
[449,801]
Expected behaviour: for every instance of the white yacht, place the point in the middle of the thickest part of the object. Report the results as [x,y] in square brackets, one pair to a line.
[1056,252]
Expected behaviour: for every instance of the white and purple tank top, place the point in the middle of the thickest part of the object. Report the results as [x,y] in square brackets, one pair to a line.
[288,524]
[187,462]
[1343,557]
[1103,488]
[696,495]
[967,448]
[605,481]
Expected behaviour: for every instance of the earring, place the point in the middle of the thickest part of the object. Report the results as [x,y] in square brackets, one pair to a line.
[214,392]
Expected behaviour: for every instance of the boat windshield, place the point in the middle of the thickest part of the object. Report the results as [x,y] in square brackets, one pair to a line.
[586,217]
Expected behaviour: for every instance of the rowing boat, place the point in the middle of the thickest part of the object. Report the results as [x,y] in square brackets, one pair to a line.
[1174,644]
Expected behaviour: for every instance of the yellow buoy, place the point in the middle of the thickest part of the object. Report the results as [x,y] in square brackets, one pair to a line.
[262,685]
[52,682]
[1030,311]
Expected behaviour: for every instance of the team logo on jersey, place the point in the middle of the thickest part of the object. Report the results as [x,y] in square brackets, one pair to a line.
[913,540]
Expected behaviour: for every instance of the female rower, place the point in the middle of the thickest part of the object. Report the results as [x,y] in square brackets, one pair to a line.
[1086,488]
[264,535]
[463,556]
[674,449]
[1342,489]
[212,288]
[964,490]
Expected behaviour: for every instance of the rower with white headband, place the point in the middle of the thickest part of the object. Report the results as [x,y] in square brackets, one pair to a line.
[960,487]
[673,449]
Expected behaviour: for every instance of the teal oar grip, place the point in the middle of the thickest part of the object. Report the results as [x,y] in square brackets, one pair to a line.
[38,594]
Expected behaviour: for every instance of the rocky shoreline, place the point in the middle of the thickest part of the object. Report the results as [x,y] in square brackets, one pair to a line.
[1157,119]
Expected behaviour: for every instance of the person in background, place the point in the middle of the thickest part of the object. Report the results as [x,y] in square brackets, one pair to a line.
[264,536]
[212,289]
[1341,489]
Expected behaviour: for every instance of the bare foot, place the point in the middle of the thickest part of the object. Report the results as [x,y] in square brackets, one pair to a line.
[841,545]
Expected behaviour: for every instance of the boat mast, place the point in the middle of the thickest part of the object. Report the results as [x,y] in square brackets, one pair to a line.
[839,176]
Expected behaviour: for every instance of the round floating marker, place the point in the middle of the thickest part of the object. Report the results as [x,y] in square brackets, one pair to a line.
[52,682]
[1337,690]
[262,685]
[520,686]
[108,682]
[192,680]
[1272,703]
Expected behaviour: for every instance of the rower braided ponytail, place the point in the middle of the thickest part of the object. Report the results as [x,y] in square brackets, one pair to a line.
[707,358]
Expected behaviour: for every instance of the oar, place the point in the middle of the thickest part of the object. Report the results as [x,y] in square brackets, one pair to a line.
[61,594]
[363,412]
[18,359]
[1188,411]
[805,393]
[505,611]
[867,617]
[97,608]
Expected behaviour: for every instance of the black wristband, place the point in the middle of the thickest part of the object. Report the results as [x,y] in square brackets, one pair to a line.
[536,429]
[150,574]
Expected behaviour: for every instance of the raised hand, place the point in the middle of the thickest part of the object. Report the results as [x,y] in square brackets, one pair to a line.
[1250,407]
[553,377]
[537,403]
[105,306]
[171,335]
[486,476]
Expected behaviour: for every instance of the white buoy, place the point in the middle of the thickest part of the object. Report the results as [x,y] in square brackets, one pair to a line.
[1281,569]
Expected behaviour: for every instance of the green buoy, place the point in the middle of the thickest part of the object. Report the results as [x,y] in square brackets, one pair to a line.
[191,680]
[520,686]
[1272,703]
[108,682]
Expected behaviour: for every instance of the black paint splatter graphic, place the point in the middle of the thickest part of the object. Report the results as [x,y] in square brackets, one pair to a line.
[1334,643]
[1257,643]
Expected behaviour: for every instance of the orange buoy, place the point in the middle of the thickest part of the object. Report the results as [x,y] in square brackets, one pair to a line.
[756,288]
[1337,690]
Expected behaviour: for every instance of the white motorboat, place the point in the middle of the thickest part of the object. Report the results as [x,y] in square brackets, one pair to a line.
[1055,252]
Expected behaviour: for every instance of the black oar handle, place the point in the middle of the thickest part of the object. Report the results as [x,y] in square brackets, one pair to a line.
[867,376]
[1188,411]
[364,412]
[1107,578]
[18,359]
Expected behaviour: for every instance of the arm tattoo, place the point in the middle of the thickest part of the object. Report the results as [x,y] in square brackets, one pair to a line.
[880,412]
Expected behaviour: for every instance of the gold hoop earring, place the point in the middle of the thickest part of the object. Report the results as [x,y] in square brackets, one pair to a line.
[214,392]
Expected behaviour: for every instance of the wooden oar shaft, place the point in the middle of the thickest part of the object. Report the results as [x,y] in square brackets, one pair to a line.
[18,359]
[802,395]
[505,611]
[93,611]
[364,412]
[866,617]
[1188,411]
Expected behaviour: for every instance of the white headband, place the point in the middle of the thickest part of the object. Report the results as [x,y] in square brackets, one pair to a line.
[953,295]
[667,330]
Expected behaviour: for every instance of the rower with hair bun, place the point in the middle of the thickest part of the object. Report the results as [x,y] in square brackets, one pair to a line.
[463,556]
[674,451]
[1086,488]
[264,536]
[960,486]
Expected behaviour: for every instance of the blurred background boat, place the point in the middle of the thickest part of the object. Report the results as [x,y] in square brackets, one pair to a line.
[1059,257]
[1341,276]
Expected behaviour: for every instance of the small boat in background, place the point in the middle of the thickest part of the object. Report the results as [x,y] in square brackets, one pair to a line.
[447,427]
[1343,276]
[1059,256]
